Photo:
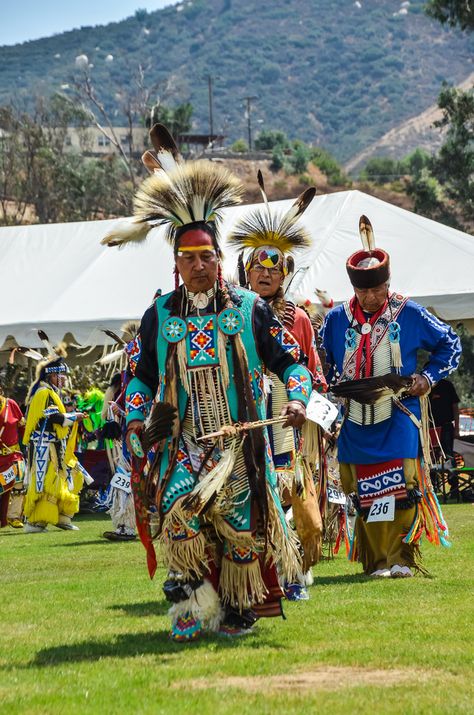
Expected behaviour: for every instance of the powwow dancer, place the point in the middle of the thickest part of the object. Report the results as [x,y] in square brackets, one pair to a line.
[268,242]
[122,510]
[12,463]
[203,351]
[51,443]
[376,335]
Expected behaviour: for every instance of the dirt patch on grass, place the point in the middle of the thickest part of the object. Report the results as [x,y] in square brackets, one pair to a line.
[325,678]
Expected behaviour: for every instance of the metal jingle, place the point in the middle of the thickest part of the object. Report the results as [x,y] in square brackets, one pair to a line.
[200,301]
[366,328]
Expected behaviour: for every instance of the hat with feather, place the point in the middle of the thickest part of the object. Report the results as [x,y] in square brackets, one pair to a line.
[187,198]
[268,238]
[369,267]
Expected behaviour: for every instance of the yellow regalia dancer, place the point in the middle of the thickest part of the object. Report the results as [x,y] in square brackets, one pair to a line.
[50,441]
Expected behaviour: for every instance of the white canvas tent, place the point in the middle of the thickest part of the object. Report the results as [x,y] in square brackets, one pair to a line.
[59,278]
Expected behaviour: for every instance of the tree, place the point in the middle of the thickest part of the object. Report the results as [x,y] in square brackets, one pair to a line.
[278,159]
[428,197]
[453,12]
[381,170]
[270,139]
[177,119]
[41,179]
[136,104]
[454,165]
[240,146]
[329,166]
[414,163]
[299,158]
[463,378]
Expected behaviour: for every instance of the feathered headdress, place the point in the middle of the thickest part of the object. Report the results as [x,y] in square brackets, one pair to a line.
[128,351]
[177,194]
[277,236]
[54,362]
[371,266]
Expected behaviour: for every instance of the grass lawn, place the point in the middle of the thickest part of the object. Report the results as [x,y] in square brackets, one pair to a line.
[84,630]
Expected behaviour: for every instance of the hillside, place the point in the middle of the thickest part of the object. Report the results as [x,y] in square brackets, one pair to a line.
[416,132]
[338,74]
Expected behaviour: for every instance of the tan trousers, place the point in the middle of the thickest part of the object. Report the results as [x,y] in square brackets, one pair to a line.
[380,544]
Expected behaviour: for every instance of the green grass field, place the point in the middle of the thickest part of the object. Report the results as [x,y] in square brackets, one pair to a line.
[84,630]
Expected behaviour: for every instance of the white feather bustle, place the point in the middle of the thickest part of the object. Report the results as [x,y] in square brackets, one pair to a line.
[204,605]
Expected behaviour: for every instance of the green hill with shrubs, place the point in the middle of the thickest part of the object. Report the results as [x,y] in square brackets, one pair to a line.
[336,74]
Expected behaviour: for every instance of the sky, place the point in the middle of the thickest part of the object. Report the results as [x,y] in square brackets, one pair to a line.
[32,19]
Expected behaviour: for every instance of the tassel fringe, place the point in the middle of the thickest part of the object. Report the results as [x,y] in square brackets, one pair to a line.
[396,355]
[241,585]
[187,556]
[284,544]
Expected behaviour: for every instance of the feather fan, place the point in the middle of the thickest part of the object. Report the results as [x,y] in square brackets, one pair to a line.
[130,330]
[370,390]
[160,425]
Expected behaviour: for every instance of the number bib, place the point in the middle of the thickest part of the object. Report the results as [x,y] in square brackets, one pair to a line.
[382,510]
[6,478]
[321,411]
[121,480]
[335,496]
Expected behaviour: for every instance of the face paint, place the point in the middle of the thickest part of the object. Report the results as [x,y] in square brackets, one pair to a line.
[196,260]
[194,241]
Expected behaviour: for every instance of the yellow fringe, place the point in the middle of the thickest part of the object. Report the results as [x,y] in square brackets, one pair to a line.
[425,436]
[241,585]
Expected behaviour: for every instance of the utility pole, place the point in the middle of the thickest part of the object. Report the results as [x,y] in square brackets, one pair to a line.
[211,115]
[249,100]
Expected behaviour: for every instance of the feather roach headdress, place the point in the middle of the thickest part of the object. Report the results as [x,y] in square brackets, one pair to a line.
[274,236]
[371,266]
[177,195]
